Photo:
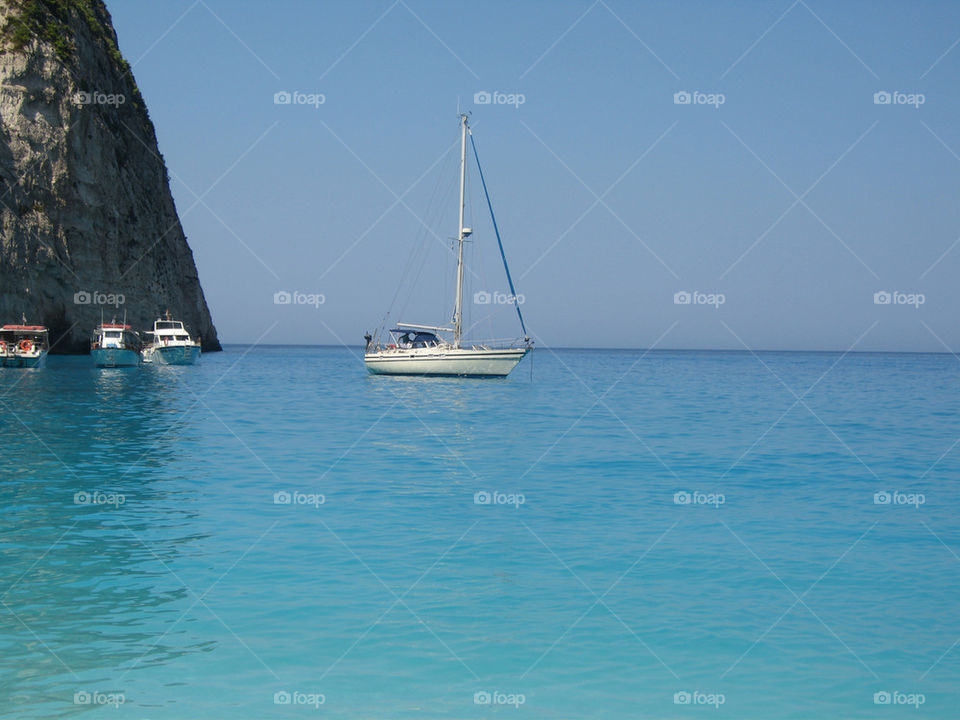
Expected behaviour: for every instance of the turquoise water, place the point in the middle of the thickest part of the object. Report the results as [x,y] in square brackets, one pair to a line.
[176,585]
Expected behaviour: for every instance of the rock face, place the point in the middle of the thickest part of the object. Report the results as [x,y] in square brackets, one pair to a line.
[88,227]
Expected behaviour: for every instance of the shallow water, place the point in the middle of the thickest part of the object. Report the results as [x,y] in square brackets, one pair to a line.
[148,556]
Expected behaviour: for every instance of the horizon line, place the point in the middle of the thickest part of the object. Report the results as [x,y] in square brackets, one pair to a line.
[627,349]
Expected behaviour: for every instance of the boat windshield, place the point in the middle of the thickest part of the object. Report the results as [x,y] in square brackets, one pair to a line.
[169,325]
[418,340]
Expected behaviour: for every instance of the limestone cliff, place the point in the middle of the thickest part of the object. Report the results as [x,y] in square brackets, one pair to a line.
[86,215]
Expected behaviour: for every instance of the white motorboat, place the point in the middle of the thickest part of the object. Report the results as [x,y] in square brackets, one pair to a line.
[24,346]
[169,343]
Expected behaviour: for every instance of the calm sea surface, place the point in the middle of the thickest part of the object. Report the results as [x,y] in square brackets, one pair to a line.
[274,533]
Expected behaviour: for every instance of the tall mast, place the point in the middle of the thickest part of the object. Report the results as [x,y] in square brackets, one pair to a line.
[458,311]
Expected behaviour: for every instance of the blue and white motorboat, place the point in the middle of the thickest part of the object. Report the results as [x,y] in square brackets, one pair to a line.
[115,345]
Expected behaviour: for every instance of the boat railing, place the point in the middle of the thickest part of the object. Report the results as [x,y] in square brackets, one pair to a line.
[377,346]
[498,344]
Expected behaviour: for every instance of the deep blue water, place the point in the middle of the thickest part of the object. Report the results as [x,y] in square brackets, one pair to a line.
[783,589]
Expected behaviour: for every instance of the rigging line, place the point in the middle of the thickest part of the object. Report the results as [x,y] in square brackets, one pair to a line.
[496,231]
[477,260]
[473,258]
[468,195]
[417,256]
[427,246]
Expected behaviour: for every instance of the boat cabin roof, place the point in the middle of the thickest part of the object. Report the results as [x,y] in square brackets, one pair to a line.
[25,328]
[408,331]
[115,326]
[168,325]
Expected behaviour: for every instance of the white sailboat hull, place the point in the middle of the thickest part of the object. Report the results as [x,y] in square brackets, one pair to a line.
[462,362]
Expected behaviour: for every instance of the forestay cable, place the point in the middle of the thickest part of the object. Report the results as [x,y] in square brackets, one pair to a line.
[496,231]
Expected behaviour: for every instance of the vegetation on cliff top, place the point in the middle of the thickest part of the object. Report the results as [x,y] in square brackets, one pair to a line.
[49,22]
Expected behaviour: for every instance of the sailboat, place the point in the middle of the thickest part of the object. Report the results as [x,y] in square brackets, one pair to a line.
[414,349]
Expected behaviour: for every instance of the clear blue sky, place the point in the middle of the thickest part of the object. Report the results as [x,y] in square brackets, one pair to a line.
[797,199]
